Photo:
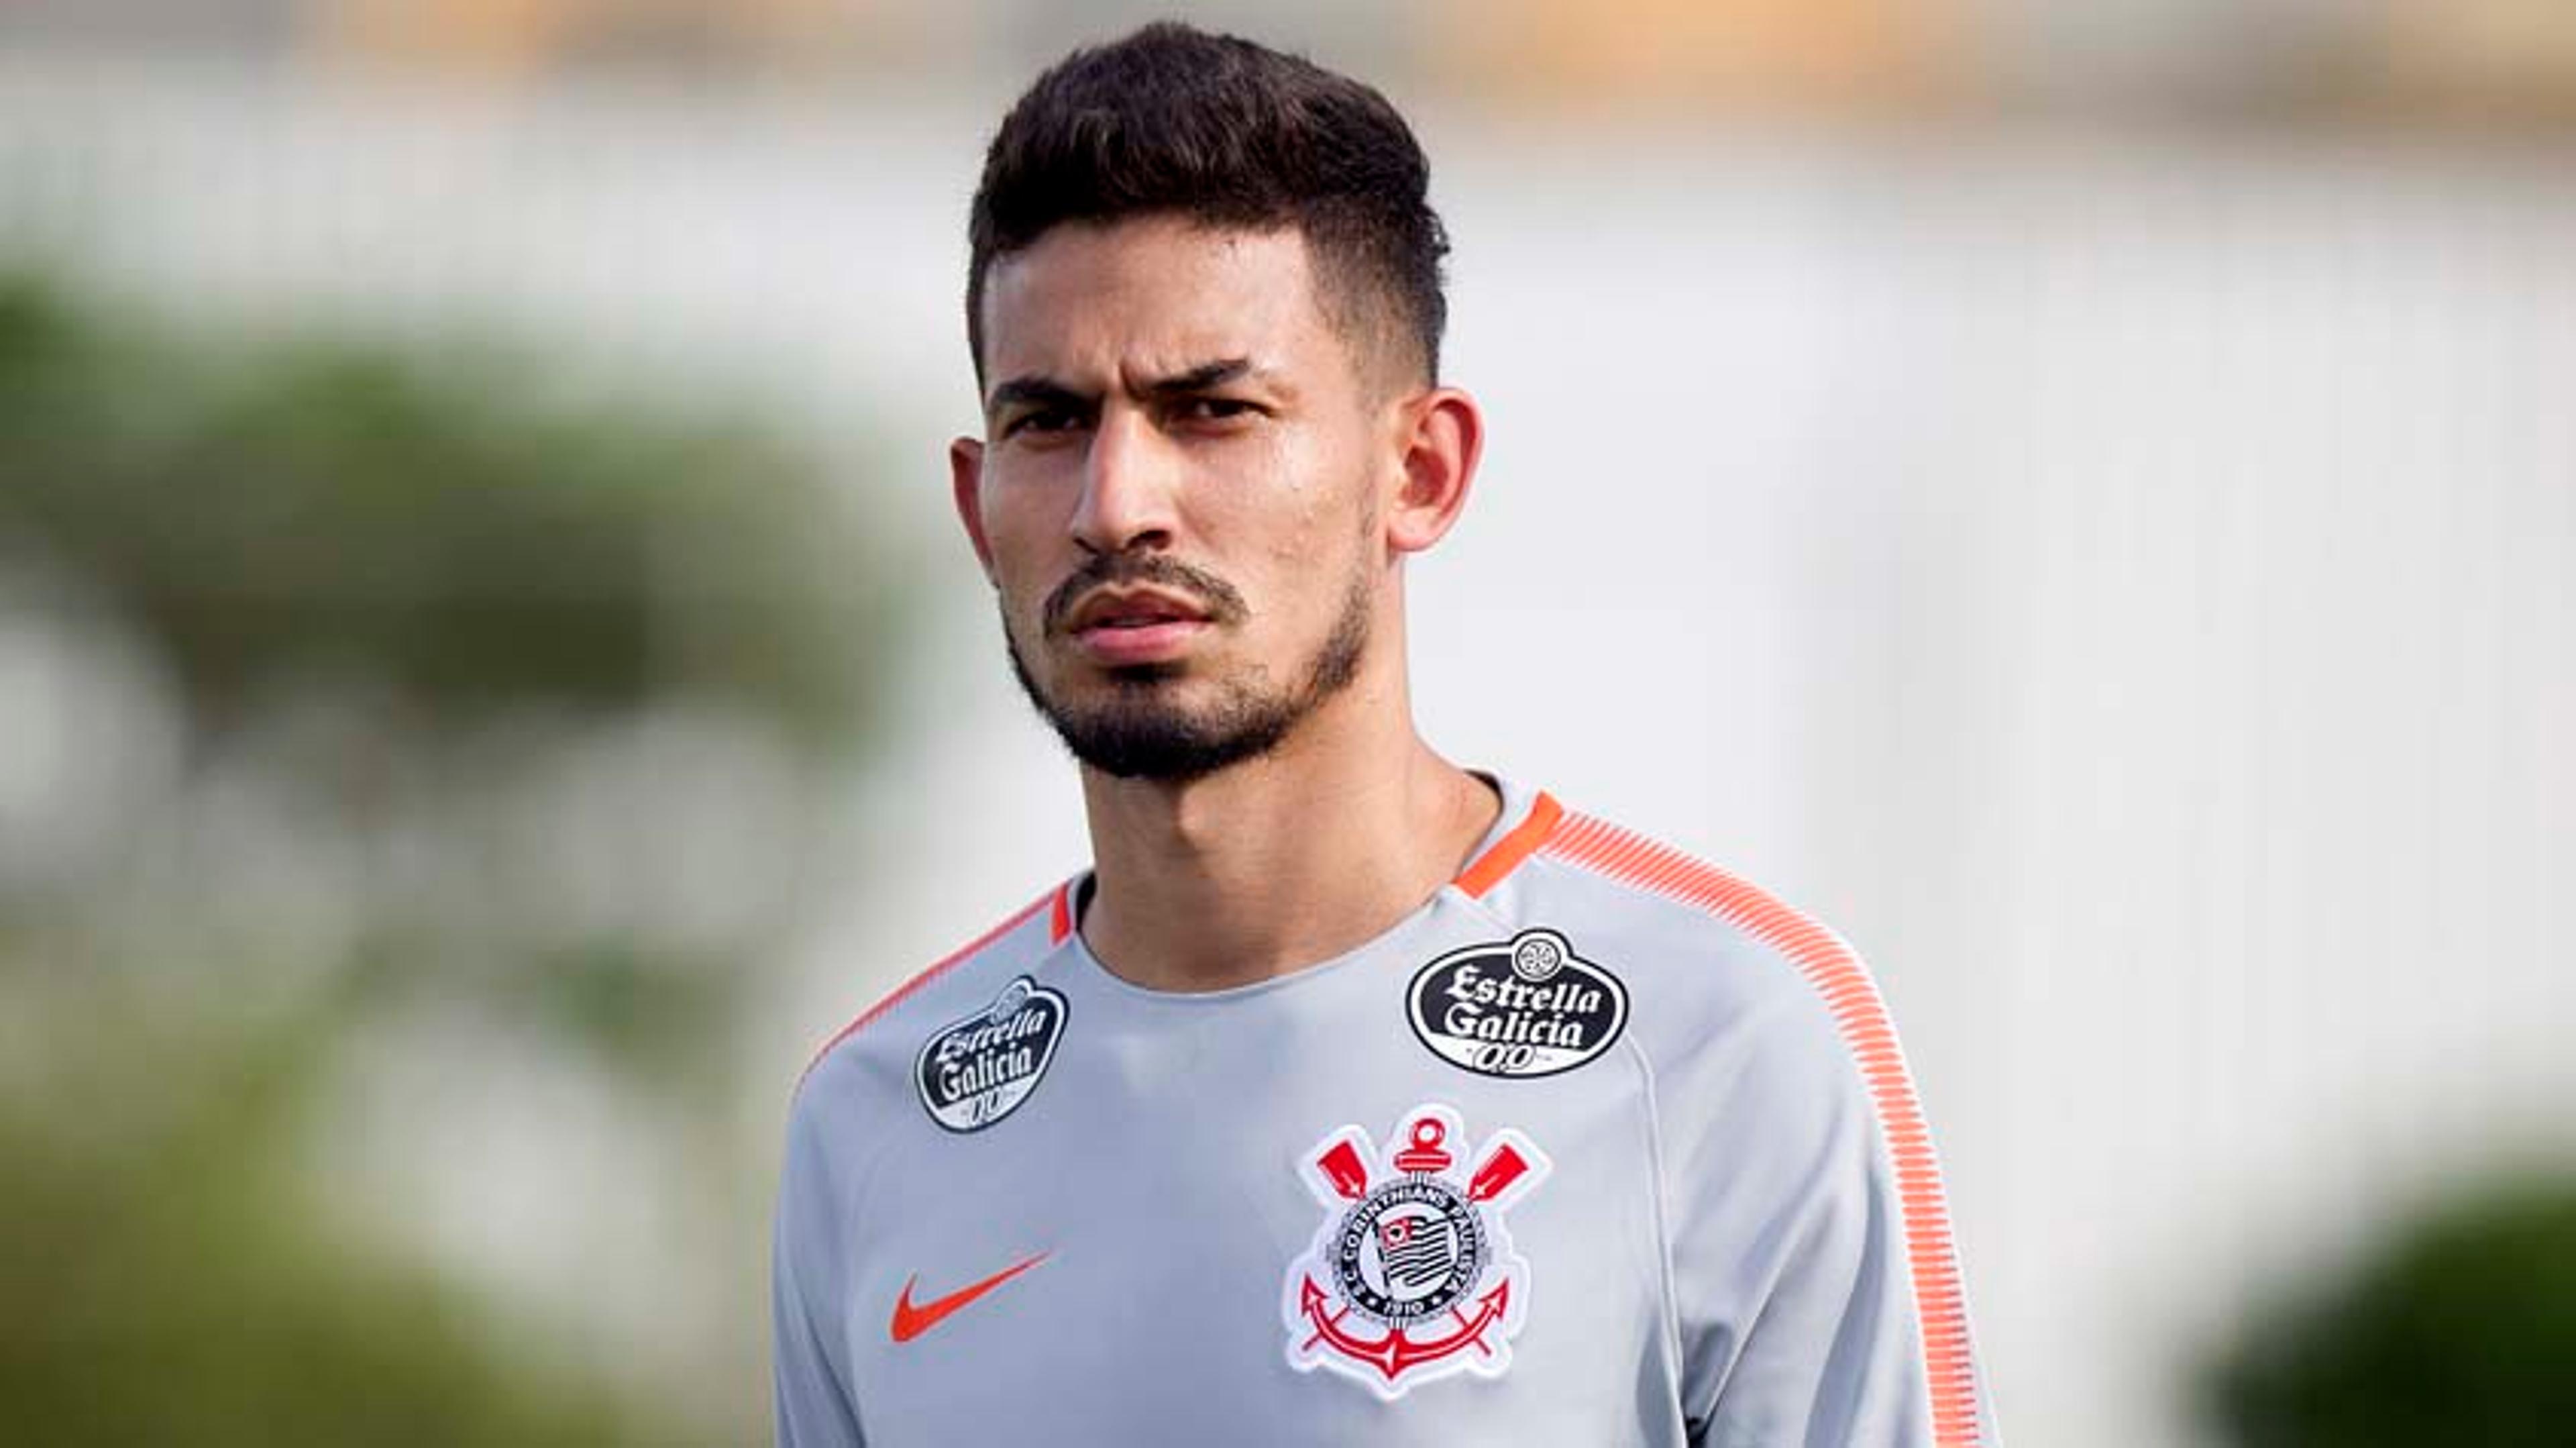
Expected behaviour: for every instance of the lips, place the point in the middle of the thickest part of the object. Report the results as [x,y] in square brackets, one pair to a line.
[1126,627]
[1140,609]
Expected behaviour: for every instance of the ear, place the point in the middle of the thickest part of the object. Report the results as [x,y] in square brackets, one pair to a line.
[1443,434]
[966,488]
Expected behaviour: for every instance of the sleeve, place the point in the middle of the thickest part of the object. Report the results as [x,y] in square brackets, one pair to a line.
[811,1401]
[1794,1251]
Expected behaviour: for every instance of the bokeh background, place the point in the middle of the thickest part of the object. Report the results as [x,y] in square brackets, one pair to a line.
[2081,496]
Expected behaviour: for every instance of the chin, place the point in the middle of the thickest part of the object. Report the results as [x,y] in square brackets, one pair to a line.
[1149,731]
[1139,676]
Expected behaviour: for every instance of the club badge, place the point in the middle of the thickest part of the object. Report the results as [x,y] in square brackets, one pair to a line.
[1529,1007]
[1412,1276]
[974,1072]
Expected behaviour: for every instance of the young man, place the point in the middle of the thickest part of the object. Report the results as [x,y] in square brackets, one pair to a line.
[1349,1097]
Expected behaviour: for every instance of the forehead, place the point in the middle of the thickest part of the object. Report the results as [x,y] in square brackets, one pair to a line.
[1160,294]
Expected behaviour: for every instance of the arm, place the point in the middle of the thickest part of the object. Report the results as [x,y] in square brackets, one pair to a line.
[1798,1242]
[811,1401]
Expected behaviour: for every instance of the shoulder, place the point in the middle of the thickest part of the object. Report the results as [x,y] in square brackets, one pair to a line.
[1707,954]
[875,1046]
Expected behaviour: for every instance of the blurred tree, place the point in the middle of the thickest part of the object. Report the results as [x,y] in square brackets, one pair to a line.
[443,529]
[498,706]
[2462,1329]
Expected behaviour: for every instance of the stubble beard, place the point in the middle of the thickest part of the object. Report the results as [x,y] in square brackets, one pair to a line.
[1143,732]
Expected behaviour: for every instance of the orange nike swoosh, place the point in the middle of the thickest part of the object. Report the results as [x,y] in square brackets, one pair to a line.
[911,1320]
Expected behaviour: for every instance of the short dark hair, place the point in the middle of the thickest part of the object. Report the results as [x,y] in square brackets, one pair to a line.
[1174,121]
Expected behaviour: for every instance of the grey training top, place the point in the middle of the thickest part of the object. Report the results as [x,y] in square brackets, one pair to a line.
[1600,1145]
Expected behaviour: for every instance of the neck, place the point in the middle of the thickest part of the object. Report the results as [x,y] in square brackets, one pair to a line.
[1280,862]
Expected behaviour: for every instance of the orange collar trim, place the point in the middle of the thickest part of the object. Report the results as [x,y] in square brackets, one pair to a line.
[1489,868]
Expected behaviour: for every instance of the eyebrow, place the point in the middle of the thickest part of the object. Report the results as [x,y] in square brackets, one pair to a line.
[1048,392]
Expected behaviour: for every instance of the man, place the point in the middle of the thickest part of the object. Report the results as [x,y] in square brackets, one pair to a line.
[1349,1097]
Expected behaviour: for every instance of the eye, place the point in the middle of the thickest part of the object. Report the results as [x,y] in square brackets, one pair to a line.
[1212,409]
[1042,420]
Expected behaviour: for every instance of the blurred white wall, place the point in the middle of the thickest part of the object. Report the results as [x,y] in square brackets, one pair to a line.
[2123,582]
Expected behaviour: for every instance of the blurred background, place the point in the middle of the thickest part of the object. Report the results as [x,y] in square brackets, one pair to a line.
[2081,497]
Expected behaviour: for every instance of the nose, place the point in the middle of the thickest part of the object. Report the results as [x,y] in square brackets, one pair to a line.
[1130,482]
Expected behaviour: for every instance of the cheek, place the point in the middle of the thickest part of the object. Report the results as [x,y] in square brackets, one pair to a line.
[1305,511]
[1023,573]
[1024,525]
[1307,570]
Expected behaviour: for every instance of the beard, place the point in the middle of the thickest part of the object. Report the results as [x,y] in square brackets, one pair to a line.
[1140,731]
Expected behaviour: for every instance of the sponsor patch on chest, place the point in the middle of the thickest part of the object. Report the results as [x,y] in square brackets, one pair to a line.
[974,1072]
[1528,1006]
[1412,1276]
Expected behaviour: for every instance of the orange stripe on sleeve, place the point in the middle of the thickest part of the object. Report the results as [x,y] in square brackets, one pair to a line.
[1860,1015]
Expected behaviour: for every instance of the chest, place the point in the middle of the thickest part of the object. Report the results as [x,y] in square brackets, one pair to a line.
[1265,1225]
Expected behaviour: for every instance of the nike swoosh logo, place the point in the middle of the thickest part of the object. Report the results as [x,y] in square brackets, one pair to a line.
[912,1319]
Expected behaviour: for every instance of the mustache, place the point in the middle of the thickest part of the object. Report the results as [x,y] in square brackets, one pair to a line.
[1222,603]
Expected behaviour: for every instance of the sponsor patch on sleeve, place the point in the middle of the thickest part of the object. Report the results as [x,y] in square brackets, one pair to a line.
[1524,1007]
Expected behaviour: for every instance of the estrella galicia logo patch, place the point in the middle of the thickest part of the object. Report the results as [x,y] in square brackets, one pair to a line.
[1526,1007]
[974,1072]
[1412,1275]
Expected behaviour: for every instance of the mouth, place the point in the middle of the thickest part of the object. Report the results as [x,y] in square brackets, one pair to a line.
[1124,627]
[1132,609]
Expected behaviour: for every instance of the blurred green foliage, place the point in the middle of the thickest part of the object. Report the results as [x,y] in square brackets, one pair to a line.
[453,529]
[169,1284]
[401,606]
[2459,1330]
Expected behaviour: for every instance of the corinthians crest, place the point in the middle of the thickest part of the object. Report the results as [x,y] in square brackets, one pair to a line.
[1412,1276]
